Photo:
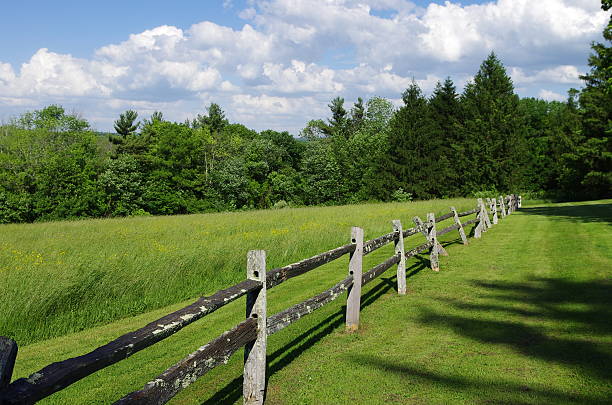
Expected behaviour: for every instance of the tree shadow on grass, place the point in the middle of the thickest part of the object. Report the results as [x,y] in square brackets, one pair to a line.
[493,391]
[575,213]
[560,321]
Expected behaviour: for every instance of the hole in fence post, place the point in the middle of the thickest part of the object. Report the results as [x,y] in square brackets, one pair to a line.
[353,302]
[254,383]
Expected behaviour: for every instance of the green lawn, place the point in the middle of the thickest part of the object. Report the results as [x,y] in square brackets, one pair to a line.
[522,315]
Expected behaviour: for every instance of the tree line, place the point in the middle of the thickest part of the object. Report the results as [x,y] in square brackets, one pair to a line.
[483,140]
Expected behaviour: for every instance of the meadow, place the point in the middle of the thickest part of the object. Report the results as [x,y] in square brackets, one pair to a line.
[62,277]
[519,316]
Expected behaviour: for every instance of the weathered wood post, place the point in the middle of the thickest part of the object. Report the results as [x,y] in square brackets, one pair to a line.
[353,302]
[459,226]
[502,206]
[485,215]
[479,228]
[493,206]
[399,250]
[8,354]
[434,255]
[254,383]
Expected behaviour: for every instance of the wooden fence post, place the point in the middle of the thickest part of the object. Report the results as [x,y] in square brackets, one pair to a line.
[485,215]
[459,226]
[399,250]
[502,206]
[479,228]
[353,302]
[254,383]
[433,256]
[8,354]
[493,206]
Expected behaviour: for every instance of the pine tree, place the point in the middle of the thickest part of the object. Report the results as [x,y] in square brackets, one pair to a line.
[412,164]
[589,165]
[357,116]
[444,106]
[336,125]
[214,119]
[125,125]
[492,136]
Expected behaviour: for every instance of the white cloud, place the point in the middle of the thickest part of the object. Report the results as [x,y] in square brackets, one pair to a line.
[284,65]
[565,74]
[551,95]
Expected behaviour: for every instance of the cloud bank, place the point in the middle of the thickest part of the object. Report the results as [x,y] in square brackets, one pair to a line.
[290,57]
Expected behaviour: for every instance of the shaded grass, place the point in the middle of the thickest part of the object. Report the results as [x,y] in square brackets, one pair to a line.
[61,277]
[519,316]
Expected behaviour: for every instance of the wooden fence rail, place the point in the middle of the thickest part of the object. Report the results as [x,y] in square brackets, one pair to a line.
[252,333]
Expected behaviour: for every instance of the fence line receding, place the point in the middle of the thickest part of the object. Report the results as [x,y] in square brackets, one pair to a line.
[251,333]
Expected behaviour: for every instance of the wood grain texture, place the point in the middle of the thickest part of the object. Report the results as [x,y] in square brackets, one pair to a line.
[288,316]
[59,375]
[8,353]
[198,363]
[282,274]
[353,302]
[254,376]
[399,251]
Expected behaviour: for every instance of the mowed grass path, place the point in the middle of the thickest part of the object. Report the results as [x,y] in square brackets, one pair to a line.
[522,315]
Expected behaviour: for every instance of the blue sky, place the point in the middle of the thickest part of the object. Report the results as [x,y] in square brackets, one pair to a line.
[277,63]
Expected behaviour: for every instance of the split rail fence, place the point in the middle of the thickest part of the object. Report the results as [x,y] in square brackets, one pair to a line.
[252,333]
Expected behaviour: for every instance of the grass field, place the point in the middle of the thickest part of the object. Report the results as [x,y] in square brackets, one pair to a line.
[61,277]
[522,315]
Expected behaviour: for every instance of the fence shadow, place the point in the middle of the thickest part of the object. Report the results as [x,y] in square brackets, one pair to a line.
[551,319]
[283,356]
[575,213]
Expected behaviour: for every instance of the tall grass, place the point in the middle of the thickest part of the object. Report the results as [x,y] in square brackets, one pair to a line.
[61,277]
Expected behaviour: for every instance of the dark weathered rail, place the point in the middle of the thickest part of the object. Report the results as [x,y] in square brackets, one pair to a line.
[372,245]
[379,269]
[198,363]
[444,217]
[279,275]
[59,375]
[464,213]
[285,318]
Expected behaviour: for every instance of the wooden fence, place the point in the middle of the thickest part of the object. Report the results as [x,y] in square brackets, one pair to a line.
[252,333]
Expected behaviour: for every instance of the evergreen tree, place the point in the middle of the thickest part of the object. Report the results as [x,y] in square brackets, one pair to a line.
[492,139]
[337,123]
[412,163]
[444,106]
[589,165]
[214,119]
[357,116]
[126,125]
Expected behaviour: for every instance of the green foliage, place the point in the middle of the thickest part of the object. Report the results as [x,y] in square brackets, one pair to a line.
[126,124]
[492,138]
[51,118]
[589,165]
[52,166]
[400,195]
[414,155]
